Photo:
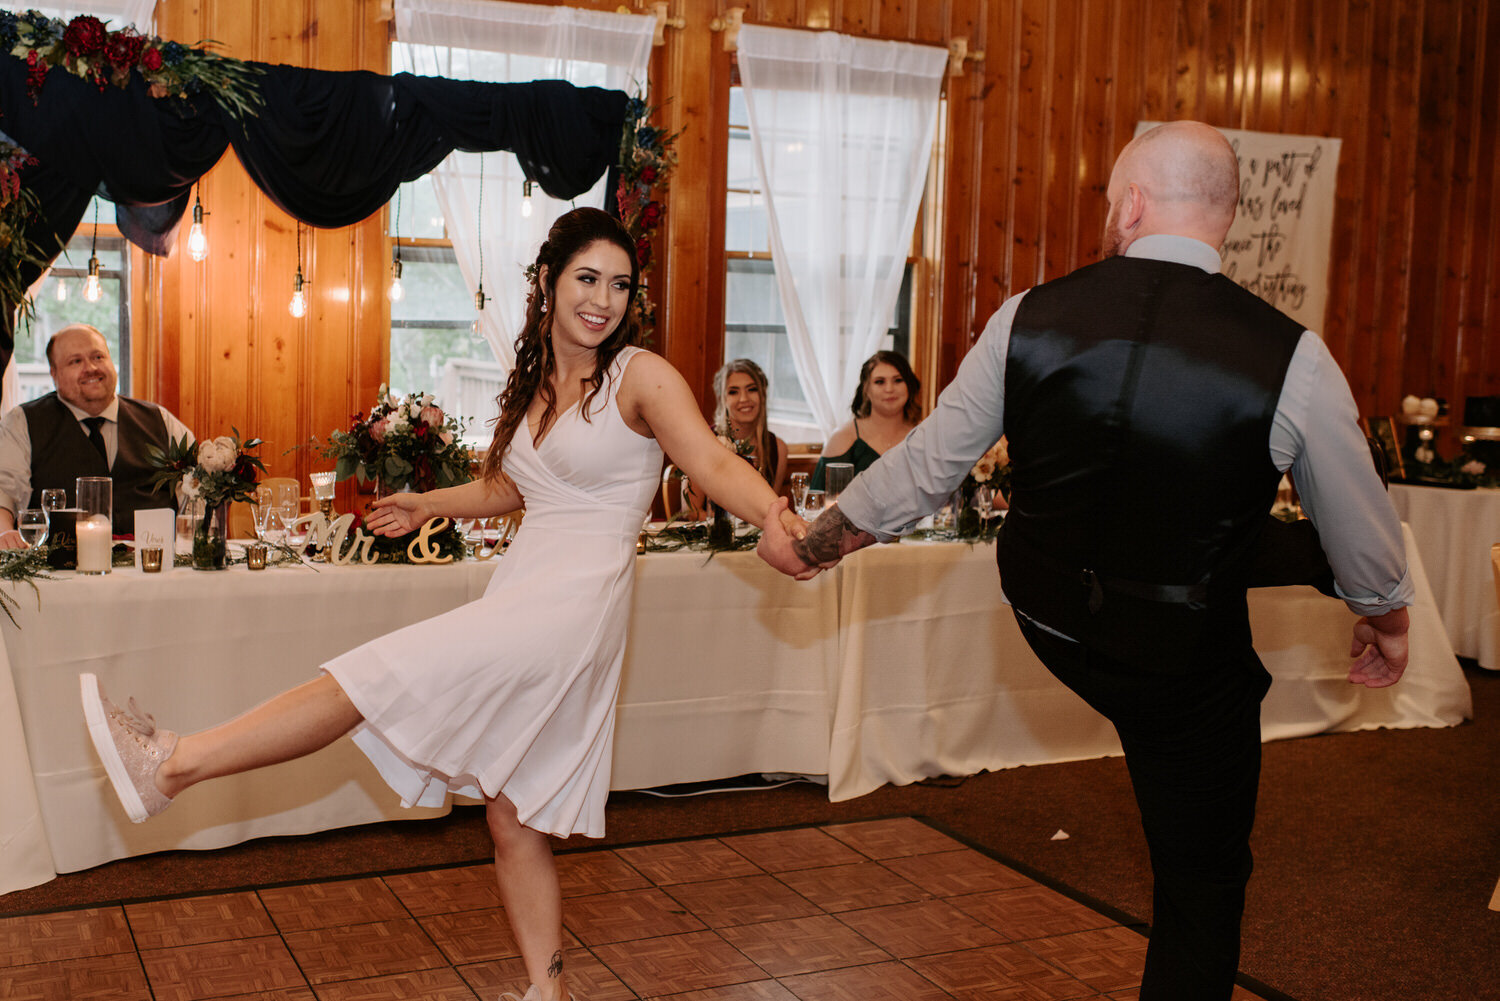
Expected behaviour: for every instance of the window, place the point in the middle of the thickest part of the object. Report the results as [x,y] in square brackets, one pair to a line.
[59,301]
[754,327]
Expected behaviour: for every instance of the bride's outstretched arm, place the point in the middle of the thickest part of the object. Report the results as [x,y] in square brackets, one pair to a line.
[399,514]
[656,396]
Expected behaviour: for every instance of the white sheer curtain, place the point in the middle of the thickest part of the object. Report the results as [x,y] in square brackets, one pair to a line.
[511,43]
[842,129]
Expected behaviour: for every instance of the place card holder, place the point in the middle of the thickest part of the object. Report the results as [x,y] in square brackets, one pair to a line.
[155,528]
[62,538]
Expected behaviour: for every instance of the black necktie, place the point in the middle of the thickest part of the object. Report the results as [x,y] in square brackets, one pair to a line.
[96,438]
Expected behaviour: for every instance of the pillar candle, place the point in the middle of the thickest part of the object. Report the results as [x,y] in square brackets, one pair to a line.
[94,544]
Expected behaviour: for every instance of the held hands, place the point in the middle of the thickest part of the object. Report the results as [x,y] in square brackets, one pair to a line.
[782,529]
[397,514]
[1380,648]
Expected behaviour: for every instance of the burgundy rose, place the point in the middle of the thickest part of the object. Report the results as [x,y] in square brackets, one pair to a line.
[123,50]
[84,36]
[649,175]
[651,214]
[643,251]
[151,60]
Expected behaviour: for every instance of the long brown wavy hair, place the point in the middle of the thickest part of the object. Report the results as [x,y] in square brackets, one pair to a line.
[765,451]
[572,233]
[896,360]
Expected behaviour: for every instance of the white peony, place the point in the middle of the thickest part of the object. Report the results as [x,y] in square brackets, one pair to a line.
[216,455]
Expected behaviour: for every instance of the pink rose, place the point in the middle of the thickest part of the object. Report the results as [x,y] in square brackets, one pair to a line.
[431,416]
[379,428]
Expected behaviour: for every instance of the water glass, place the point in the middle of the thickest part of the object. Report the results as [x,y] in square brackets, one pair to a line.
[798,490]
[32,524]
[836,476]
[812,504]
[54,498]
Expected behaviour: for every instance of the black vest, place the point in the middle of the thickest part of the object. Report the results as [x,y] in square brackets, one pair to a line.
[1139,397]
[61,452]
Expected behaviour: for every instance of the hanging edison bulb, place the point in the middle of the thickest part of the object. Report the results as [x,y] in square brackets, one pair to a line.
[526,187]
[91,288]
[396,292]
[62,290]
[298,304]
[197,240]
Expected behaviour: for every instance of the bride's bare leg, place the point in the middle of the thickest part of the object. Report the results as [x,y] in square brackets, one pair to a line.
[533,898]
[296,722]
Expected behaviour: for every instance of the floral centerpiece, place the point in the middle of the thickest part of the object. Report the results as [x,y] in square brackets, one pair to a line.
[85,48]
[211,473]
[646,161]
[992,471]
[402,444]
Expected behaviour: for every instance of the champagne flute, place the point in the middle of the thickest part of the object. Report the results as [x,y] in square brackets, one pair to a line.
[984,500]
[32,524]
[798,491]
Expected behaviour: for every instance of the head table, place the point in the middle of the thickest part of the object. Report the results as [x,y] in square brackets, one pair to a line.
[900,664]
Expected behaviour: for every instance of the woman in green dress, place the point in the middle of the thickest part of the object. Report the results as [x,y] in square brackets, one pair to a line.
[886,407]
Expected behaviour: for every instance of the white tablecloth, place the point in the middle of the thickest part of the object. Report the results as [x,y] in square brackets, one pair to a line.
[899,665]
[1454,530]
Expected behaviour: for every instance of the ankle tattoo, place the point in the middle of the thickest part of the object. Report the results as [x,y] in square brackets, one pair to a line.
[555,968]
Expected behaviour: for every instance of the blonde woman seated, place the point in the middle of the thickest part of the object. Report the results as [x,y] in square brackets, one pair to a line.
[886,407]
[740,391]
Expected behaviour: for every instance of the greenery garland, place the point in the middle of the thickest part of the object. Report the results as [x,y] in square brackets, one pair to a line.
[18,207]
[87,49]
[646,162]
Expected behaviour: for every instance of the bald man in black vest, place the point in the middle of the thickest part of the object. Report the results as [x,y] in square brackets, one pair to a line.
[1151,406]
[81,429]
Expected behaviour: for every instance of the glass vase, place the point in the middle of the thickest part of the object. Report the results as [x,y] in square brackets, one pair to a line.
[210,534]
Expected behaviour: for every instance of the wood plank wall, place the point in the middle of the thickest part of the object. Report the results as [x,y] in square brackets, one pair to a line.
[1411,87]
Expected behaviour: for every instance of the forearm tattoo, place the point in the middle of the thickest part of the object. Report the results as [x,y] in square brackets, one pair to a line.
[832,536]
[555,968]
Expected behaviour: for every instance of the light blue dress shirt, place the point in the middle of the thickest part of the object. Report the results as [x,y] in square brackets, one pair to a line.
[1315,435]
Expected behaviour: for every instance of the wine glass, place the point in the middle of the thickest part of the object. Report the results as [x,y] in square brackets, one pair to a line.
[54,499]
[984,503]
[798,490]
[32,524]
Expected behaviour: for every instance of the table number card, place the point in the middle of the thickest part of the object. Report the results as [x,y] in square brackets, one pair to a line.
[156,527]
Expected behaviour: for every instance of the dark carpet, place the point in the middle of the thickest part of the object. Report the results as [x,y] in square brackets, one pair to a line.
[1376,852]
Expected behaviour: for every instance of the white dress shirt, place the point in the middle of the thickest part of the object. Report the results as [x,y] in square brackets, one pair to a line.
[15,446]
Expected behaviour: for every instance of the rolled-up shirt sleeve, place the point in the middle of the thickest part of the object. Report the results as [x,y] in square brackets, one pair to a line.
[916,477]
[1317,437]
[15,460]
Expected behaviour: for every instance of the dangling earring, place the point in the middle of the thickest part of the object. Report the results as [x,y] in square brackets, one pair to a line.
[544,303]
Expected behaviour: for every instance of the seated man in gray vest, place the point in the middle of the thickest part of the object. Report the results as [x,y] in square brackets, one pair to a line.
[81,429]
[1151,406]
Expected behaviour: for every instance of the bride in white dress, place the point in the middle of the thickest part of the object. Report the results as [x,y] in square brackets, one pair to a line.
[510,698]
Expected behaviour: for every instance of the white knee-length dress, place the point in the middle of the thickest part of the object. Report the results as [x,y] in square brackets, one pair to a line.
[515,692]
